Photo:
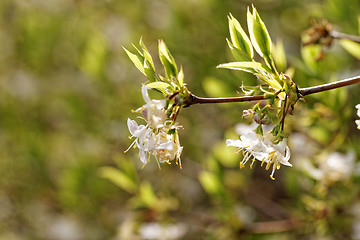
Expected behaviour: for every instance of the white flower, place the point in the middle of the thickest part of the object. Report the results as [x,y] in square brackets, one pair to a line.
[158,137]
[144,139]
[165,147]
[153,111]
[168,147]
[260,148]
[358,113]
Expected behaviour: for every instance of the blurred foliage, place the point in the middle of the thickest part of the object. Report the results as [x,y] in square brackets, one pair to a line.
[67,88]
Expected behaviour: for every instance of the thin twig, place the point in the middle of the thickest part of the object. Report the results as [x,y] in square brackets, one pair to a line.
[339,35]
[303,91]
[329,86]
[284,113]
[276,226]
[195,99]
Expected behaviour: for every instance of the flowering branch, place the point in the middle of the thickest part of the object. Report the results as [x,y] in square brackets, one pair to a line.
[159,137]
[329,86]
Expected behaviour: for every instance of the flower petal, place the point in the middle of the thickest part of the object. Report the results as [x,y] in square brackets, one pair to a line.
[133,126]
[234,143]
[145,94]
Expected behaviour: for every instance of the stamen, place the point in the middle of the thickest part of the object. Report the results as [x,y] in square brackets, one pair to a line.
[132,144]
[252,163]
[178,161]
[157,160]
[272,173]
[268,165]
[262,162]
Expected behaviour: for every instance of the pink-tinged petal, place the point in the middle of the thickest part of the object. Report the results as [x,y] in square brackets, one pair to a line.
[133,126]
[135,129]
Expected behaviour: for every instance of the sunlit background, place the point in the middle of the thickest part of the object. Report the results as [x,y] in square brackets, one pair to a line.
[67,89]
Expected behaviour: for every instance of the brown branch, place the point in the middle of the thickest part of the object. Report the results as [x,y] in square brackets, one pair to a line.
[200,100]
[276,226]
[329,86]
[302,91]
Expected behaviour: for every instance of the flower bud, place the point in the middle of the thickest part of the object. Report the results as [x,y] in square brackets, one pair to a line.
[248,113]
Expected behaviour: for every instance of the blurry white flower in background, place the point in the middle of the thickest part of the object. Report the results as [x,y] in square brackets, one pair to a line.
[333,167]
[301,147]
[338,166]
[156,231]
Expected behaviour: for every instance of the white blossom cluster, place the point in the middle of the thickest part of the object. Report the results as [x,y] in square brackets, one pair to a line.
[157,137]
[256,147]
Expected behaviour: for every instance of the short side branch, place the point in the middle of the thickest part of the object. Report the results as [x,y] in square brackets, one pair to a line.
[339,35]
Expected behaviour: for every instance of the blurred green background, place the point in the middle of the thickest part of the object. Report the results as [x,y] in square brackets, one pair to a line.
[67,89]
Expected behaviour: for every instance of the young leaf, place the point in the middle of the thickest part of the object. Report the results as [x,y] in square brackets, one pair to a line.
[158,85]
[137,60]
[259,35]
[180,76]
[238,54]
[167,60]
[210,182]
[239,38]
[147,194]
[279,55]
[150,72]
[147,55]
[118,178]
[244,66]
[351,47]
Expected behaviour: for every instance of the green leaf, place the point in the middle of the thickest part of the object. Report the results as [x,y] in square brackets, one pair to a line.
[150,72]
[147,194]
[137,60]
[351,47]
[259,35]
[239,38]
[210,182]
[309,54]
[167,60]
[158,85]
[238,54]
[146,54]
[214,87]
[180,76]
[245,66]
[279,55]
[118,178]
